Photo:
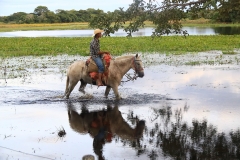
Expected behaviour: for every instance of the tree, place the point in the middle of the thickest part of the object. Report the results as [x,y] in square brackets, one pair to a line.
[229,11]
[64,16]
[165,15]
[51,17]
[2,18]
[40,10]
[15,17]
[110,22]
[83,16]
[29,18]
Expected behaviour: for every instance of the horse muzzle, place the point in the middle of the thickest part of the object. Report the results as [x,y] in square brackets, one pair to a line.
[140,74]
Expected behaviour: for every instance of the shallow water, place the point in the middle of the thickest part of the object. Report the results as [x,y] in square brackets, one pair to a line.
[186,101]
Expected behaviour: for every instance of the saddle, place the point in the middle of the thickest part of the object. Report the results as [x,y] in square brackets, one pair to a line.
[92,68]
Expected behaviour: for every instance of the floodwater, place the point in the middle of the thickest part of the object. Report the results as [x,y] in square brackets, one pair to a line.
[142,32]
[185,107]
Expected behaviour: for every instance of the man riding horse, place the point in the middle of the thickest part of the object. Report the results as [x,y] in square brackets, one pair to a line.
[109,72]
[96,54]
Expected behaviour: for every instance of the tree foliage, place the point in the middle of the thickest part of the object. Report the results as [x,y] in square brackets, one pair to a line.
[165,15]
[42,14]
[40,10]
[229,11]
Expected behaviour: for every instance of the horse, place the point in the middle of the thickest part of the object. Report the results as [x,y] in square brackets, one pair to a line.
[78,71]
[111,119]
[103,125]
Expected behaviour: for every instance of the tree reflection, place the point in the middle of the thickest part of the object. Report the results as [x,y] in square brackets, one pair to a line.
[227,30]
[179,140]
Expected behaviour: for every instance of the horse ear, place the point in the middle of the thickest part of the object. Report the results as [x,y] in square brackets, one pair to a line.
[136,55]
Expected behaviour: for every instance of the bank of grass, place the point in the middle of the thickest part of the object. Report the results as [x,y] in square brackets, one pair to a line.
[117,45]
[43,26]
[85,25]
[201,22]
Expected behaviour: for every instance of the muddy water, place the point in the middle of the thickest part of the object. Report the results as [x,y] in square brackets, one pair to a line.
[186,106]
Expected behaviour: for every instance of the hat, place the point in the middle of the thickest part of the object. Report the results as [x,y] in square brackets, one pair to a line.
[96,31]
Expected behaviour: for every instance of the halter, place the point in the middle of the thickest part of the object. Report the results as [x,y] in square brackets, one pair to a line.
[135,66]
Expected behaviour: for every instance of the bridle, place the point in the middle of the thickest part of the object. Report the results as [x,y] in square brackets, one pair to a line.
[136,68]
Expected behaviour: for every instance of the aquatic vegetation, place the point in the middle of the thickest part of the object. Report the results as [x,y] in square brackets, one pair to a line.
[229,52]
[61,132]
[193,63]
[117,45]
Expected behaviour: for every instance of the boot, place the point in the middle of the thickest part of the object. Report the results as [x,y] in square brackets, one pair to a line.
[99,80]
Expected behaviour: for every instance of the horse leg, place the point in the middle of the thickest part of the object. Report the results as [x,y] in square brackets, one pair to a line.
[82,86]
[115,90]
[107,91]
[71,87]
[67,84]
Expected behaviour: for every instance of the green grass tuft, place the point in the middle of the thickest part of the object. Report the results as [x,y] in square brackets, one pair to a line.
[229,52]
[13,47]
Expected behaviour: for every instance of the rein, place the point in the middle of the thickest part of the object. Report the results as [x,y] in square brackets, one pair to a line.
[136,69]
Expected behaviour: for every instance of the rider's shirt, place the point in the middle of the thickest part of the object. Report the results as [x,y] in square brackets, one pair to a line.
[94,48]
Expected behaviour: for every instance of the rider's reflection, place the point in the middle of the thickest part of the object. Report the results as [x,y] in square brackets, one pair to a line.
[102,125]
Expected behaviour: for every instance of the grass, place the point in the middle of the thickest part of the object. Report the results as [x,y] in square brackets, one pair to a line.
[201,22]
[229,52]
[42,26]
[84,25]
[117,45]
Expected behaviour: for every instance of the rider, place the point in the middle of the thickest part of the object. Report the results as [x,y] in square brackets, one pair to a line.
[96,54]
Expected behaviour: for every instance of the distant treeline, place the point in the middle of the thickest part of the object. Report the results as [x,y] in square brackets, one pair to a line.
[42,14]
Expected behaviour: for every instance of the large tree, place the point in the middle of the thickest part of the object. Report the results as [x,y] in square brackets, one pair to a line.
[229,11]
[40,10]
[164,14]
[15,17]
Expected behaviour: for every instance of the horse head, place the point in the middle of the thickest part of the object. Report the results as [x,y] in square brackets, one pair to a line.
[138,66]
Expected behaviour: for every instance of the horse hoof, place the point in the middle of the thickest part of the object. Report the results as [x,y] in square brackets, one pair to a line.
[119,98]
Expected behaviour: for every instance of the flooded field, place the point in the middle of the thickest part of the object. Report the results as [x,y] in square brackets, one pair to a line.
[185,107]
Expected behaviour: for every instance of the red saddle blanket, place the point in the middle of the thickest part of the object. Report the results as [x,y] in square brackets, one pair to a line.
[93,73]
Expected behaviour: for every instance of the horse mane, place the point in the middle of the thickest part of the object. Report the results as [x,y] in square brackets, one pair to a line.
[123,57]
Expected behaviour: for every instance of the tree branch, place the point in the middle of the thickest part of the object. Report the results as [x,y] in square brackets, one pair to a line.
[179,4]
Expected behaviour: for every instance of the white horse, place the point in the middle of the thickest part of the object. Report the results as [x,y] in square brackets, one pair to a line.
[117,69]
[111,119]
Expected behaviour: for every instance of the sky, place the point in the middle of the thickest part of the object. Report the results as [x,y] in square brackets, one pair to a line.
[8,7]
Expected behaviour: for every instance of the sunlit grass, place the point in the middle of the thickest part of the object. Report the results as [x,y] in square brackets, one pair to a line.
[201,22]
[117,45]
[43,26]
[85,25]
[229,52]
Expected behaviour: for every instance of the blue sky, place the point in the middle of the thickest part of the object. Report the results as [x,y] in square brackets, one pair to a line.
[8,7]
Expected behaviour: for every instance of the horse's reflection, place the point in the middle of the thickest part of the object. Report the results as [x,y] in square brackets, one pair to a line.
[103,125]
